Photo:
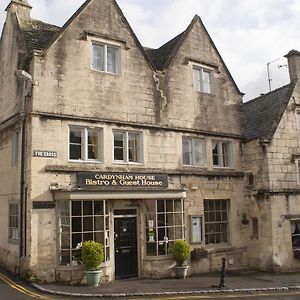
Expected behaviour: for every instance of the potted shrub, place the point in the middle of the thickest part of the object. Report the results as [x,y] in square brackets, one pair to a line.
[181,252]
[92,256]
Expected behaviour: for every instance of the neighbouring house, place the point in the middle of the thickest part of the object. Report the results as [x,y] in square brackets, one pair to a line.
[103,139]
[271,156]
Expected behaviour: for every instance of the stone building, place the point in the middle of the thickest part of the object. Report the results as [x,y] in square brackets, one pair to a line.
[271,160]
[102,139]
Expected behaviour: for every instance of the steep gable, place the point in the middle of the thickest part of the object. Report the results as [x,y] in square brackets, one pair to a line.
[263,114]
[163,57]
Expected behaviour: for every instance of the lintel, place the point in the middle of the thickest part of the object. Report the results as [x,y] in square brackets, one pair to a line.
[115,195]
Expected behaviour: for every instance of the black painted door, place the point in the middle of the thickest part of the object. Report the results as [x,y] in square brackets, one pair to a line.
[126,263]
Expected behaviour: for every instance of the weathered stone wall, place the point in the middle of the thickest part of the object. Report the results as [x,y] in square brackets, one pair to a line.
[188,108]
[11,90]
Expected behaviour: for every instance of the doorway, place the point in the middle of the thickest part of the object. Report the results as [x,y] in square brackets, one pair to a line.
[125,239]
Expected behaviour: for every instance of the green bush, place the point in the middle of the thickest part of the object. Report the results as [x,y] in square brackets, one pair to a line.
[92,255]
[181,251]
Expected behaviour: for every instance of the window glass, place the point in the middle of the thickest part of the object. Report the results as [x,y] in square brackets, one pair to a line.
[118,146]
[111,60]
[81,221]
[255,228]
[295,231]
[187,151]
[164,225]
[203,80]
[216,221]
[105,58]
[98,57]
[133,147]
[127,147]
[84,144]
[222,154]
[194,151]
[93,144]
[14,222]
[75,143]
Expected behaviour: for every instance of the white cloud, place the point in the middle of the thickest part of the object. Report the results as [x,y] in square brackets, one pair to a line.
[248,34]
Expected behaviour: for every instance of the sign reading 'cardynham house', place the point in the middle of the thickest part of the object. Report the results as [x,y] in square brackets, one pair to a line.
[121,180]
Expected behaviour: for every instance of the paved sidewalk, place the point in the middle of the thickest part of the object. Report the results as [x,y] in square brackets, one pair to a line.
[236,282]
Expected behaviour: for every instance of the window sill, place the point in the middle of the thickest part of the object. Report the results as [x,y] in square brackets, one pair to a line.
[85,161]
[204,167]
[107,73]
[116,162]
[222,168]
[14,242]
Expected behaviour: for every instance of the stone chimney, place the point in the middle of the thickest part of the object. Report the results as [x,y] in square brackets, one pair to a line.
[293,58]
[21,8]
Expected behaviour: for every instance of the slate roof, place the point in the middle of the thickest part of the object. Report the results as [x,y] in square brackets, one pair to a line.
[160,56]
[37,35]
[263,114]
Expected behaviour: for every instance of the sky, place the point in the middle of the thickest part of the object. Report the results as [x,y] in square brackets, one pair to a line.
[248,34]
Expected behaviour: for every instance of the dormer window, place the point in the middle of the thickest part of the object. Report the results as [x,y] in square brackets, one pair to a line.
[105,57]
[203,79]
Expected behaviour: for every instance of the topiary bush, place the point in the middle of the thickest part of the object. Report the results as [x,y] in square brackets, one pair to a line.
[92,255]
[181,251]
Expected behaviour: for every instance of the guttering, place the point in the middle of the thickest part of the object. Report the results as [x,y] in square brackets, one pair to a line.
[24,77]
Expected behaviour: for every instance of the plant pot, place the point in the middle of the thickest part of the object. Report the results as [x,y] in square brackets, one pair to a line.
[245,222]
[93,277]
[181,271]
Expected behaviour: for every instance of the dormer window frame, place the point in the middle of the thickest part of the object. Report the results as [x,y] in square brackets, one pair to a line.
[108,48]
[203,77]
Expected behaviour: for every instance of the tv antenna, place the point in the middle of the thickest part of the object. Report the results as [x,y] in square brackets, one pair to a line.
[268,72]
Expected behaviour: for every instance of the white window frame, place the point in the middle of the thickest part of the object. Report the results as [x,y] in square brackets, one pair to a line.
[105,46]
[13,222]
[15,148]
[199,72]
[126,147]
[84,143]
[192,146]
[220,154]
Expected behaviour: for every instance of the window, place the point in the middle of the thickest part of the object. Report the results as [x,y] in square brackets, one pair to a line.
[250,180]
[85,144]
[15,148]
[216,221]
[222,154]
[194,151]
[295,231]
[127,146]
[164,224]
[14,222]
[203,80]
[105,58]
[254,228]
[81,221]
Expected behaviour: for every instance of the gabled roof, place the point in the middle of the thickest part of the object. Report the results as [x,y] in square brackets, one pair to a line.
[160,56]
[263,114]
[37,34]
[163,57]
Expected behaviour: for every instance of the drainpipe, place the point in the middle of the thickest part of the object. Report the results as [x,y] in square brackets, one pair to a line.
[26,78]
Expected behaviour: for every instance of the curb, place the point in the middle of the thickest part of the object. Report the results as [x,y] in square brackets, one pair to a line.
[159,294]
